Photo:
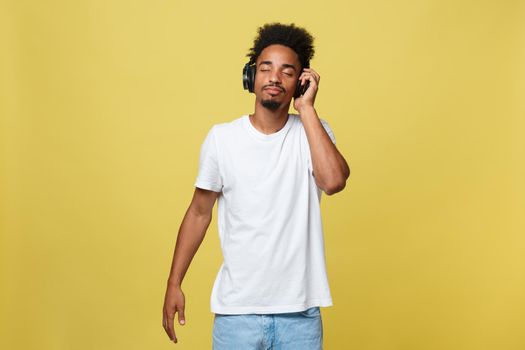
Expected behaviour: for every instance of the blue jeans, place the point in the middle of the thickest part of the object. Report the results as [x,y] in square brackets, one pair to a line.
[301,330]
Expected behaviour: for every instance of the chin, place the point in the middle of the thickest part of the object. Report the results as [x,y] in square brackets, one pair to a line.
[271,104]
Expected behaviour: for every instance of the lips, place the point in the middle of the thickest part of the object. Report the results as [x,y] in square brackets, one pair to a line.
[273,89]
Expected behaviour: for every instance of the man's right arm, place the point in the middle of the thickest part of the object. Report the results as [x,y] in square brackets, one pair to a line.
[191,233]
[190,236]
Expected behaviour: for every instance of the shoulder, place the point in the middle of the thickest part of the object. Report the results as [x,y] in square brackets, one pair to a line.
[223,133]
[325,124]
[227,128]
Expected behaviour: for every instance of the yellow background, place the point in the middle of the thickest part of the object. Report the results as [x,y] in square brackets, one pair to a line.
[104,106]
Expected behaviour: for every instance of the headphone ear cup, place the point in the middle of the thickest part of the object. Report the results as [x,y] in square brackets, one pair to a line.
[297,92]
[252,78]
[301,90]
[248,77]
[245,76]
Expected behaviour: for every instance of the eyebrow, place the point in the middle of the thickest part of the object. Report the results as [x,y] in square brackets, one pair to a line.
[285,65]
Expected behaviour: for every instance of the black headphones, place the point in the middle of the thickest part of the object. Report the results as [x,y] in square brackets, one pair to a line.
[248,80]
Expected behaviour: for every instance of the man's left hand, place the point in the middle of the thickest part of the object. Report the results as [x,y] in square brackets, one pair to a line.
[307,100]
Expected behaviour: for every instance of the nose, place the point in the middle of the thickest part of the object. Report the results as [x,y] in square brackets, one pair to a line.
[274,77]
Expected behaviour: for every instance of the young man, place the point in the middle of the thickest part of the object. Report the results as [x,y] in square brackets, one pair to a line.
[267,170]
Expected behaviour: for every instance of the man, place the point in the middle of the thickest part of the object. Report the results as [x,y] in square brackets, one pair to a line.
[267,171]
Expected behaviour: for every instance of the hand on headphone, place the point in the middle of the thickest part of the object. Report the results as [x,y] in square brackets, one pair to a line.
[308,99]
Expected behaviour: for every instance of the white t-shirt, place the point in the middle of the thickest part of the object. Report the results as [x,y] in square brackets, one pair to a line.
[269,218]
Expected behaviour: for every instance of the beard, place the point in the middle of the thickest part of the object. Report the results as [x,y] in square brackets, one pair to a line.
[271,104]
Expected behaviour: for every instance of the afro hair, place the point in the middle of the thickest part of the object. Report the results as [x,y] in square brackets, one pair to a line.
[296,38]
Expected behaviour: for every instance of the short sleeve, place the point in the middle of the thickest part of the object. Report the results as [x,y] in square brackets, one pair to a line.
[209,177]
[328,130]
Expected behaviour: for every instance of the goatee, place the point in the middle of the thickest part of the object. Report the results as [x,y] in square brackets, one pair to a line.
[271,104]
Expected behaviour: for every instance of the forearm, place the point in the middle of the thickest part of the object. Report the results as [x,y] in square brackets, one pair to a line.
[330,168]
[190,236]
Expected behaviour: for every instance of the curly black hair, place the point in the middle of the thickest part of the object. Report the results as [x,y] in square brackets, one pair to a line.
[296,38]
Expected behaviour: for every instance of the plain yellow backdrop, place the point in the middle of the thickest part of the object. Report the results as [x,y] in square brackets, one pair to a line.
[104,106]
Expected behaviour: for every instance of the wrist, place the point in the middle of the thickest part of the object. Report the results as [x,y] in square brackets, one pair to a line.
[305,110]
[174,283]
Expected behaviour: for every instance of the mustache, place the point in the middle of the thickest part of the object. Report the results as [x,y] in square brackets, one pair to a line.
[274,85]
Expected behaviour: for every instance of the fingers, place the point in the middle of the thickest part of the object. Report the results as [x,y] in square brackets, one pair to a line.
[167,323]
[311,75]
[314,73]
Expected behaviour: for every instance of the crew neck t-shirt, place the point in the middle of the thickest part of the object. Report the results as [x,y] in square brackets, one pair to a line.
[269,218]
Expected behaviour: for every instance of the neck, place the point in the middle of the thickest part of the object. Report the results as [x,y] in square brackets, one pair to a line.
[268,121]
